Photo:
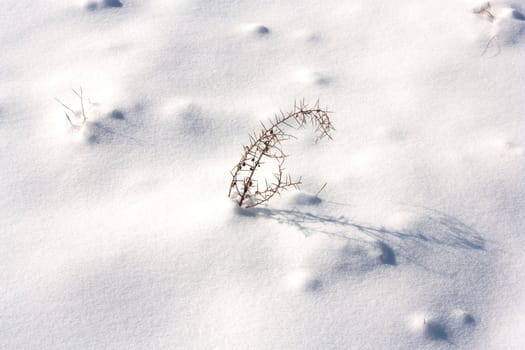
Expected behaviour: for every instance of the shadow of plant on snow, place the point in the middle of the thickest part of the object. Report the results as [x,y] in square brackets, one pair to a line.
[431,231]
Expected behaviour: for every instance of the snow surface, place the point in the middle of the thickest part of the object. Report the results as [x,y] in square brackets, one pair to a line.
[119,234]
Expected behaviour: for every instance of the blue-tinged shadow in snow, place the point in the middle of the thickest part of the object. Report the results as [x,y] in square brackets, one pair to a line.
[436,331]
[112,3]
[93,5]
[433,231]
[436,227]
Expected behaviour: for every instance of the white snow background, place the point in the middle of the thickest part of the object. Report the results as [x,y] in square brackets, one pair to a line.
[120,234]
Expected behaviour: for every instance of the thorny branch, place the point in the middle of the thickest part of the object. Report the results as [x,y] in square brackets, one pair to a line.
[266,146]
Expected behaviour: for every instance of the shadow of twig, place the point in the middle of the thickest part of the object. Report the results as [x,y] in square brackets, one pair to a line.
[446,230]
[432,229]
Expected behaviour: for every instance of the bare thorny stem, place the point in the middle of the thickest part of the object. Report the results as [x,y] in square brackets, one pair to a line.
[267,146]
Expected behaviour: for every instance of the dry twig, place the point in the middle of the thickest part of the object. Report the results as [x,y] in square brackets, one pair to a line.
[488,45]
[247,188]
[485,10]
[78,114]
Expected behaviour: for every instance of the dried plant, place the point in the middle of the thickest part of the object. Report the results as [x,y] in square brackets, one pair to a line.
[265,156]
[79,114]
[485,10]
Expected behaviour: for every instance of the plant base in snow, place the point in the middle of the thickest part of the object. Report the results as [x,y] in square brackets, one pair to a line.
[78,115]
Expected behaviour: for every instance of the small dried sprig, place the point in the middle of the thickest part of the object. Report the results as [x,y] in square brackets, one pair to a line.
[78,114]
[485,10]
[248,187]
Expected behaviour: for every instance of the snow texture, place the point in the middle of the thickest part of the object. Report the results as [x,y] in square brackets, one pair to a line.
[116,232]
